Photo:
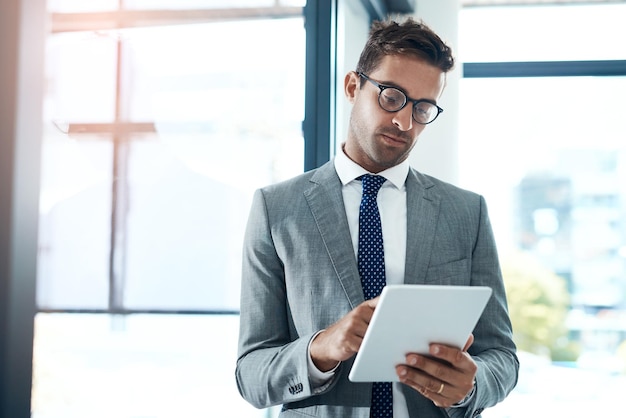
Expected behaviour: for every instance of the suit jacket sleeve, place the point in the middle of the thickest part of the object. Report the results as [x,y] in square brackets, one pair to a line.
[284,259]
[271,366]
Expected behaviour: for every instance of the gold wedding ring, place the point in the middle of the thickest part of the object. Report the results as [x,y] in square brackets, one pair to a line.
[440,389]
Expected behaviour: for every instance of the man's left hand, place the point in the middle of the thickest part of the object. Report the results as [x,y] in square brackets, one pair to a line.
[445,377]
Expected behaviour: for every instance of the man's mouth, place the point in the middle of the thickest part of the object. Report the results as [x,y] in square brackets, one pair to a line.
[394,139]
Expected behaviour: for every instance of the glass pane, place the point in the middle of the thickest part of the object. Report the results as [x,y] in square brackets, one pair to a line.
[75,220]
[227,124]
[545,33]
[184,232]
[80,77]
[200,125]
[162,366]
[552,172]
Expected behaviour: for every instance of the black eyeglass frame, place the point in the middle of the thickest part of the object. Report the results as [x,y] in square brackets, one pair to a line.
[407,99]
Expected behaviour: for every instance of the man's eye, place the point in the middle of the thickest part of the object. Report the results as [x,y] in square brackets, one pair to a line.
[421,111]
[392,99]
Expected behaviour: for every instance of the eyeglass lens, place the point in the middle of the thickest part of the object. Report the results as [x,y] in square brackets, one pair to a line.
[392,100]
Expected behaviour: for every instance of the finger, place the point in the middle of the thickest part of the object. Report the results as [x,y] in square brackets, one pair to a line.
[355,328]
[363,313]
[372,303]
[430,373]
[441,400]
[441,393]
[459,359]
[469,342]
[342,339]
[431,388]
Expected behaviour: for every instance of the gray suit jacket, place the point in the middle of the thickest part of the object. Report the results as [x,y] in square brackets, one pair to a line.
[300,275]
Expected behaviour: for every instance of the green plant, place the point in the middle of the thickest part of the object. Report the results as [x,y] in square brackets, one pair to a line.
[538,306]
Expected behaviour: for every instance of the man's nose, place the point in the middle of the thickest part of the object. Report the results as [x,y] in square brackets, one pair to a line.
[403,118]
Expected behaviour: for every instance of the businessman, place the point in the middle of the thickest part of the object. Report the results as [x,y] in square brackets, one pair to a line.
[319,248]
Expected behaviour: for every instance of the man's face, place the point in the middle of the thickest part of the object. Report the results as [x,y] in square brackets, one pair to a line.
[378,139]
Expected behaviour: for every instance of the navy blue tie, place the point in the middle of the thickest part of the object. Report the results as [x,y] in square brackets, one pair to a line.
[371,259]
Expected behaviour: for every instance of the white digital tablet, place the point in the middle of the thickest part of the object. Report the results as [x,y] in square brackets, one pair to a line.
[408,318]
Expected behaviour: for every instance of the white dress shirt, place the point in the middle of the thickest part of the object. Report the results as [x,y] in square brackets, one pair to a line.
[392,207]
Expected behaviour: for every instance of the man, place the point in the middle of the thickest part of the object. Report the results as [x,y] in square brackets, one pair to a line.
[304,308]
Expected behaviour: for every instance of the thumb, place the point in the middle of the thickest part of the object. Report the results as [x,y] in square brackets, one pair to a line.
[469,342]
[372,303]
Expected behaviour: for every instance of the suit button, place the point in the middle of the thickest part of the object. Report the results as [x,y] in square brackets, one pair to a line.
[296,389]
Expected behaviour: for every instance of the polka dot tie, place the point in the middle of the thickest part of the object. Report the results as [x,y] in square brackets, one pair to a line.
[371,259]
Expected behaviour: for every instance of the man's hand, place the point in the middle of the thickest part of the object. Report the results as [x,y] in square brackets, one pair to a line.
[343,339]
[445,377]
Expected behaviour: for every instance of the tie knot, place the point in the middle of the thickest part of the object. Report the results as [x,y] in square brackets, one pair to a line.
[372,184]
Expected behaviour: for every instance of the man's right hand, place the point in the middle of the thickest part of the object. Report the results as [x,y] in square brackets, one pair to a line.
[343,339]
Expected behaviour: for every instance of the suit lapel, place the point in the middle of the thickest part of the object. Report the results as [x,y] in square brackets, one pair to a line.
[326,203]
[423,205]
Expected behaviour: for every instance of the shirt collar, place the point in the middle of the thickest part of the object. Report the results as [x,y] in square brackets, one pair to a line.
[348,170]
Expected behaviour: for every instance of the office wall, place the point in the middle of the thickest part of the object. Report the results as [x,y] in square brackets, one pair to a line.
[352,30]
[436,153]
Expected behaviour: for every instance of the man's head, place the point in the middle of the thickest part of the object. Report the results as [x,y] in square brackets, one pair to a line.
[394,91]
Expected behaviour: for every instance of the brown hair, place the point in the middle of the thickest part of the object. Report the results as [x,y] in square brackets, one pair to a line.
[407,38]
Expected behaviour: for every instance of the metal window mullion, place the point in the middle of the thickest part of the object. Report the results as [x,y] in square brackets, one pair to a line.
[544,69]
[119,195]
[318,125]
[145,311]
[119,19]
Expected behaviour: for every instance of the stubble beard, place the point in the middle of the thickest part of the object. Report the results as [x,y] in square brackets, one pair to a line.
[374,154]
[385,155]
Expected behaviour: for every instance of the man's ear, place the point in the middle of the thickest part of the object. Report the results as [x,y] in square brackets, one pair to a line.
[351,85]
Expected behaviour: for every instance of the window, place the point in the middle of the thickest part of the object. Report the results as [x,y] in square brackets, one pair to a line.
[542,138]
[160,122]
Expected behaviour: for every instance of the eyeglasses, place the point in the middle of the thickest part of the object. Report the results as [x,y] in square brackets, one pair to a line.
[393,99]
